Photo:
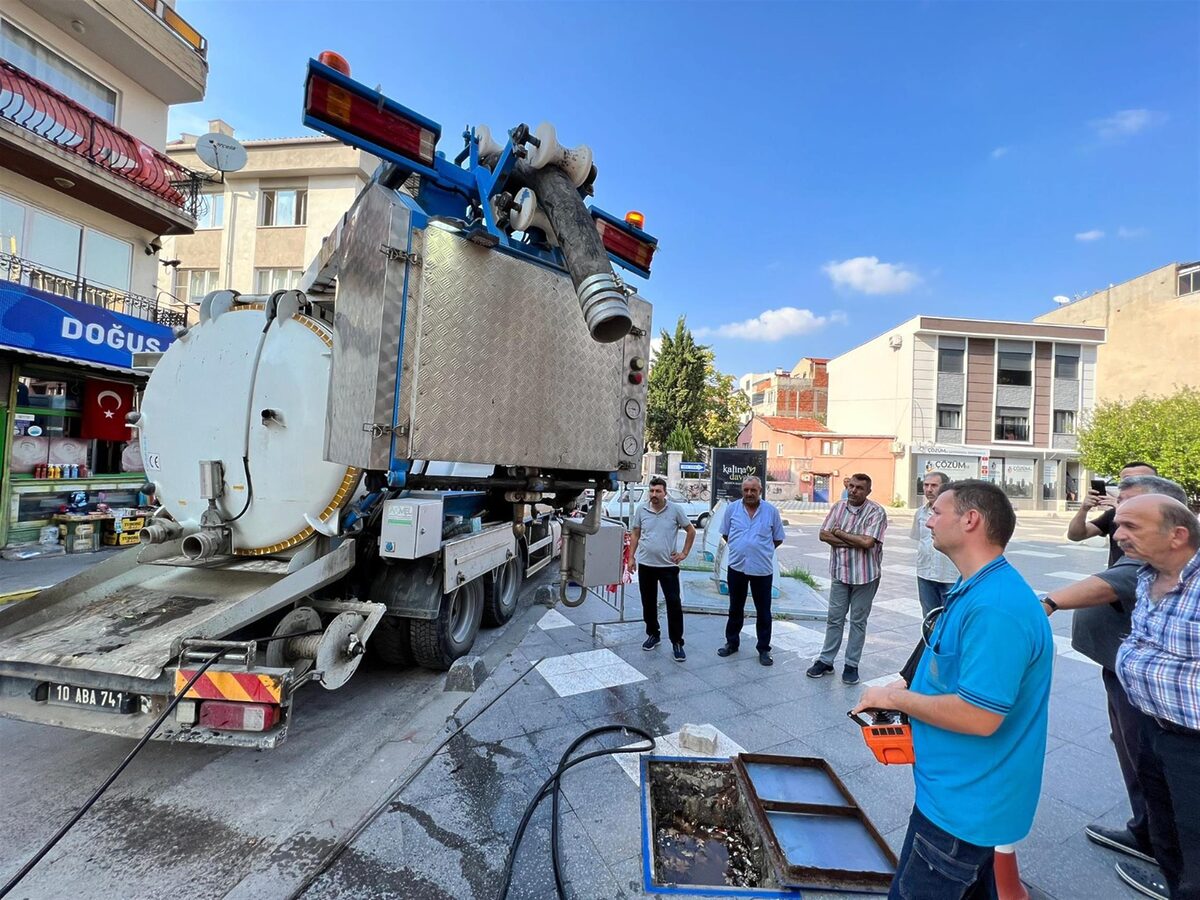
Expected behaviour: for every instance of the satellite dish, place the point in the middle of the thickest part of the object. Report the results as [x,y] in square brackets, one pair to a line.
[221,152]
[1060,299]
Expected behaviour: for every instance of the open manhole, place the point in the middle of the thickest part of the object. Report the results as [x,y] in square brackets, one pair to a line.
[756,825]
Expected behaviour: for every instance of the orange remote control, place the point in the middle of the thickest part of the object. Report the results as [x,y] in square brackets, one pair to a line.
[888,735]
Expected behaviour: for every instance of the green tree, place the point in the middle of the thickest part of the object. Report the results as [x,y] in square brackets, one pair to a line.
[681,439]
[685,389]
[675,393]
[1163,431]
[725,408]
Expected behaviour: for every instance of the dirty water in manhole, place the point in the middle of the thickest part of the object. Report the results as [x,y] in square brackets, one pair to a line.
[702,831]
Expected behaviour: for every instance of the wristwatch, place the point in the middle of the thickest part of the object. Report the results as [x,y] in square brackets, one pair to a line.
[1049,601]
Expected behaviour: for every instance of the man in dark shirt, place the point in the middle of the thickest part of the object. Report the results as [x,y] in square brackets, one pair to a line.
[1103,606]
[1080,529]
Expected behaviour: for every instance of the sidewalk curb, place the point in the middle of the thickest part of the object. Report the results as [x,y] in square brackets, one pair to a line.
[23,594]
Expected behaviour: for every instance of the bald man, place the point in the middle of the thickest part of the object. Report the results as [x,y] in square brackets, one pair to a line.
[1159,667]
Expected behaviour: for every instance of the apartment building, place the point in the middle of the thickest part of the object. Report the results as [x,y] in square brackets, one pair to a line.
[802,392]
[1153,328]
[260,228]
[86,196]
[975,399]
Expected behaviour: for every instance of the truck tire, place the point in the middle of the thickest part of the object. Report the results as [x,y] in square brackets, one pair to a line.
[437,643]
[391,642]
[501,591]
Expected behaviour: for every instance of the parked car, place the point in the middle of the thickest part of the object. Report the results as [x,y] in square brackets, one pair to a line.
[620,504]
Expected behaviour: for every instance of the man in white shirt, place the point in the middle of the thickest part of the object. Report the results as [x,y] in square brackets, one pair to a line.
[935,573]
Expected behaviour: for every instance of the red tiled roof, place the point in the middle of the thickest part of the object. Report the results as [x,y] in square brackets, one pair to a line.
[793,426]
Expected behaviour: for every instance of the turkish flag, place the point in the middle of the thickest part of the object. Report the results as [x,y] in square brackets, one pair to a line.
[105,404]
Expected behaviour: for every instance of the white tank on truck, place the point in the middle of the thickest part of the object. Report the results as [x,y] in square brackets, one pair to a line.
[372,462]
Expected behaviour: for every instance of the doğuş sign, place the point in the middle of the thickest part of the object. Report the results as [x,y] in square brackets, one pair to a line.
[46,323]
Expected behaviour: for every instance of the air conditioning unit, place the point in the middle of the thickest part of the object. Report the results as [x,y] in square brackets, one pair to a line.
[806,477]
[896,341]
[898,447]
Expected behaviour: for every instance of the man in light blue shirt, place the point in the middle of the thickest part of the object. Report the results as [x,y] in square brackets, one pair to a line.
[935,572]
[979,706]
[752,529]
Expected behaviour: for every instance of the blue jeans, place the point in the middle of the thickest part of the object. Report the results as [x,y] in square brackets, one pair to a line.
[932,594]
[935,865]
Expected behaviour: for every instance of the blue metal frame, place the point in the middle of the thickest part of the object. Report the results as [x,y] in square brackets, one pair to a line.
[446,188]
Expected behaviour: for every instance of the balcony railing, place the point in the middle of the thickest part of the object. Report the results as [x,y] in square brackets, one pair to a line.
[35,106]
[22,271]
[178,25]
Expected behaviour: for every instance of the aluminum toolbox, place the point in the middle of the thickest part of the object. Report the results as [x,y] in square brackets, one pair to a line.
[447,350]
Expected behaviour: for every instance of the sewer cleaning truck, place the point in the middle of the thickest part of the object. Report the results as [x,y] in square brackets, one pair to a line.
[372,462]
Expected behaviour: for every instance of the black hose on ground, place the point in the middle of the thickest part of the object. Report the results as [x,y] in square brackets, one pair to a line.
[99,792]
[552,786]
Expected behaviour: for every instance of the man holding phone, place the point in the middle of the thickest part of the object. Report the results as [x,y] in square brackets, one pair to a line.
[1080,529]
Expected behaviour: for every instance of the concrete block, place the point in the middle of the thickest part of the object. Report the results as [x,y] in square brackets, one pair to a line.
[700,739]
[467,674]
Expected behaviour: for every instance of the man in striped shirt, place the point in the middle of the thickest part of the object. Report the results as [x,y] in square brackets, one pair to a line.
[854,532]
[1159,667]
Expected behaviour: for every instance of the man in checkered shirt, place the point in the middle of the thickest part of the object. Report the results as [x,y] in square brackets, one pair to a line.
[1159,667]
[854,532]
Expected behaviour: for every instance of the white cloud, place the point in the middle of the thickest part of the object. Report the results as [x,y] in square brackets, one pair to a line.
[773,325]
[1126,122]
[999,152]
[1094,235]
[868,275]
[1128,233]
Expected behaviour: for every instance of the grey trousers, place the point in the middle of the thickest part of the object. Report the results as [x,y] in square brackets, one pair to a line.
[855,600]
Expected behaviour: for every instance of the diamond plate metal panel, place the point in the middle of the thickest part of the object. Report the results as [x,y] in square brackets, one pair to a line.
[503,369]
[368,317]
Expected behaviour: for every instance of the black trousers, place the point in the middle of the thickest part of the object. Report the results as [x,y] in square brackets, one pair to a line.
[1170,781]
[760,587]
[1127,723]
[649,578]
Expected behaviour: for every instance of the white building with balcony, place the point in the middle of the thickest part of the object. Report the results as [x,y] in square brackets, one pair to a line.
[86,196]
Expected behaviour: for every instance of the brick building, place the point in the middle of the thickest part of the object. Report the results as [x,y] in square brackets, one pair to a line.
[814,459]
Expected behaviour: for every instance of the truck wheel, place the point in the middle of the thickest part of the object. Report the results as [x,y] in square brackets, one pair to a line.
[501,591]
[437,643]
[391,641]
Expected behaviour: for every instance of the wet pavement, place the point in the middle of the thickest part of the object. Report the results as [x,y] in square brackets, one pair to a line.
[446,833]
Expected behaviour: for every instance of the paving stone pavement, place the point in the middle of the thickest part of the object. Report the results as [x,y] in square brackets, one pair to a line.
[446,834]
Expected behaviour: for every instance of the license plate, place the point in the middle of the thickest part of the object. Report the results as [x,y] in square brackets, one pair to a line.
[92,698]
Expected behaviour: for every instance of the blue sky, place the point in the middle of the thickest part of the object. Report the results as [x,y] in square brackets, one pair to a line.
[815,172]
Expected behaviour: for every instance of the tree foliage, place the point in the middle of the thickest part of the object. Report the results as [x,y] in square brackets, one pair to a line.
[725,409]
[1163,431]
[675,392]
[681,439]
[686,390]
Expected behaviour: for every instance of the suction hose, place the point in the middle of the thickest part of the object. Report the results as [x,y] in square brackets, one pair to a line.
[604,306]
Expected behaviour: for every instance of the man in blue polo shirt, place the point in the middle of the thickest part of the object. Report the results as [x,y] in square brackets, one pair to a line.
[753,529]
[978,704]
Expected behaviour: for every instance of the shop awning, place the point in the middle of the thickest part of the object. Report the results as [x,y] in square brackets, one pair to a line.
[70,361]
